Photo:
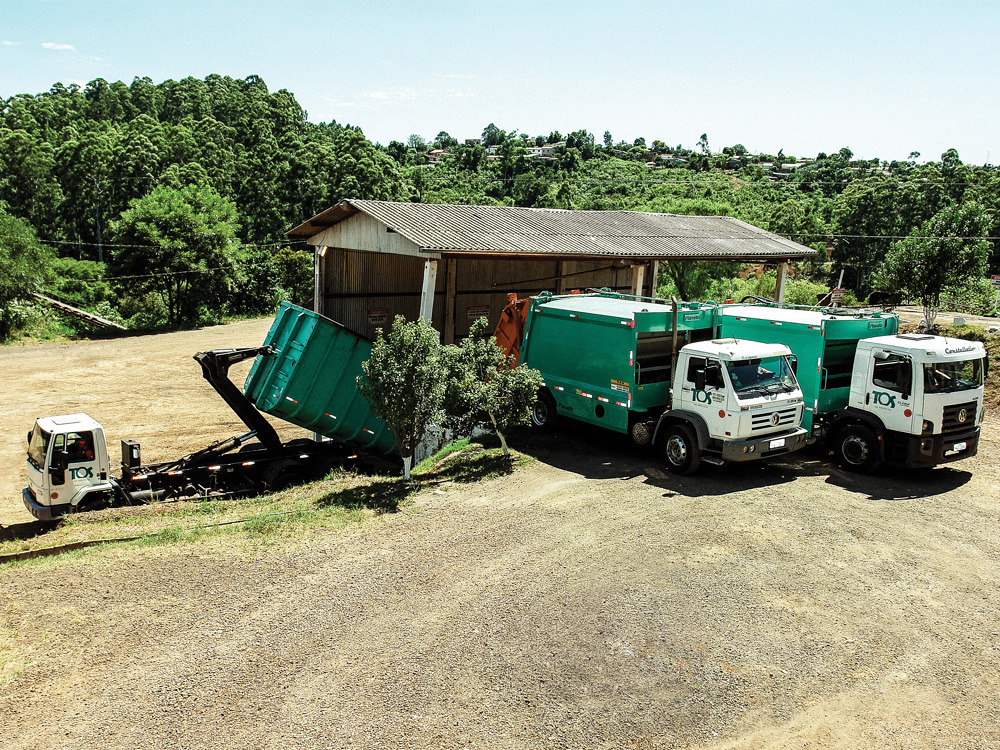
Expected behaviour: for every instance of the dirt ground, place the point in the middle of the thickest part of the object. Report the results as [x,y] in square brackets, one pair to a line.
[587,601]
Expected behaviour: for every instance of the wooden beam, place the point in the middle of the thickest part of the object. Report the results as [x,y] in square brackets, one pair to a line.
[779,288]
[638,275]
[654,280]
[427,290]
[451,282]
[319,280]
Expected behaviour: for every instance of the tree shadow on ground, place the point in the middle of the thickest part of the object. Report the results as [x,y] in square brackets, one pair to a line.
[385,494]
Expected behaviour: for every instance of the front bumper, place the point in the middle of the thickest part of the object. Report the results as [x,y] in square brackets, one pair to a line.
[915,451]
[764,446]
[41,512]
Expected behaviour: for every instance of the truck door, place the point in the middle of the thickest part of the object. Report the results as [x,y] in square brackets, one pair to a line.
[74,464]
[704,391]
[890,390]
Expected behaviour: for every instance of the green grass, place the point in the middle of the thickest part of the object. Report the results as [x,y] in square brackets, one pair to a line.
[342,500]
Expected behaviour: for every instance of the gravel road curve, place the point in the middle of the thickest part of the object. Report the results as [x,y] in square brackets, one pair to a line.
[587,601]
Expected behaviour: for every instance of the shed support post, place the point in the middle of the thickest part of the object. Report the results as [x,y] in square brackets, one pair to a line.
[655,278]
[638,276]
[451,272]
[319,281]
[779,288]
[427,291]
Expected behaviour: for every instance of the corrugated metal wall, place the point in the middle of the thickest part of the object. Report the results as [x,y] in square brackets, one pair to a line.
[365,291]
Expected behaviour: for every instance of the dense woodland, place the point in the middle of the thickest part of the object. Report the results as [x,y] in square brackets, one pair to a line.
[166,204]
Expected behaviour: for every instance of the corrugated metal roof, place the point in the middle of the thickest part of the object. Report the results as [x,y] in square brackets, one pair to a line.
[507,230]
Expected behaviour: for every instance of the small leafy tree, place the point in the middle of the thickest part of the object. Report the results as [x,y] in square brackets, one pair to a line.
[24,262]
[947,252]
[483,390]
[404,381]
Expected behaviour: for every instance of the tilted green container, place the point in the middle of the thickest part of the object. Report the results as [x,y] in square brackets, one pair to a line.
[311,380]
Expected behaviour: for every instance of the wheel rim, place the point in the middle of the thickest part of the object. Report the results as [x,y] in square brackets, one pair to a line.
[677,450]
[540,413]
[855,450]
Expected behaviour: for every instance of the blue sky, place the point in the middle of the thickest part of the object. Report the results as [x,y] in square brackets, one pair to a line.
[882,78]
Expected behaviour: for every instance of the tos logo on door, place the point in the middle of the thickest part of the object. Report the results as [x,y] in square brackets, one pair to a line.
[884,399]
[84,472]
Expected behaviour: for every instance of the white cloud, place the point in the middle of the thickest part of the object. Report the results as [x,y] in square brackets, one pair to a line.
[11,44]
[456,75]
[54,45]
[377,95]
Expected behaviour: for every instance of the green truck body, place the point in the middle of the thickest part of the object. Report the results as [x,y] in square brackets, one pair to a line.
[310,380]
[823,342]
[606,358]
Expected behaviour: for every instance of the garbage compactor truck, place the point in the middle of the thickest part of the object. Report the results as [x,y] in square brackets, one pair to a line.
[653,369]
[304,373]
[874,394]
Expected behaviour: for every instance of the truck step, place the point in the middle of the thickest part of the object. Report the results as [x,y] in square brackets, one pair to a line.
[714,460]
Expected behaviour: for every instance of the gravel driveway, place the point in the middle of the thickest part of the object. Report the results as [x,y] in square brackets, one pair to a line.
[586,601]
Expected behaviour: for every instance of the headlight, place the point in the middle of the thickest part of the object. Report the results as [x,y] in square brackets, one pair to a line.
[927,427]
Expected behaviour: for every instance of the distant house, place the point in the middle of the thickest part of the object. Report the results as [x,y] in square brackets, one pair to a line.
[436,154]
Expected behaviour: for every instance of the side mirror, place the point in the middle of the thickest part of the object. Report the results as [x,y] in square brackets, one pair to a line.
[60,460]
[713,375]
[29,437]
[793,362]
[699,379]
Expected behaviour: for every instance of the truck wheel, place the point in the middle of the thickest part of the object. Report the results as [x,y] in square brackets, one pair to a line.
[98,502]
[543,412]
[283,475]
[680,448]
[857,449]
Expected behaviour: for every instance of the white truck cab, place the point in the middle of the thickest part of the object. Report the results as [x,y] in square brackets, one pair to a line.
[923,395]
[742,399]
[68,466]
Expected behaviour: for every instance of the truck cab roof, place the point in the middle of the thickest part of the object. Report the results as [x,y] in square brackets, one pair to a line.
[734,350]
[68,423]
[927,348]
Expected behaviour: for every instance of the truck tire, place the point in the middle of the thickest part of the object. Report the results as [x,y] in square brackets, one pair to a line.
[284,474]
[857,449]
[543,411]
[98,501]
[681,450]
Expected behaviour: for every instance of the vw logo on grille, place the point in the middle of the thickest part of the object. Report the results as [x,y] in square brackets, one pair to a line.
[963,415]
[775,418]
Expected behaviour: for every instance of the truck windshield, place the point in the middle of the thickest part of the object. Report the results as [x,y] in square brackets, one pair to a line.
[949,377]
[752,377]
[38,445]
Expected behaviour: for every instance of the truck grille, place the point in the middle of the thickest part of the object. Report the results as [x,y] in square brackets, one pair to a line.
[764,420]
[952,422]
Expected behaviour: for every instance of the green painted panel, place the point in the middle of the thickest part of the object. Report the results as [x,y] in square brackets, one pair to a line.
[311,381]
[606,356]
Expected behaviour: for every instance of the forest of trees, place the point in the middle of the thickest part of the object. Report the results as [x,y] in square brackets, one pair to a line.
[166,203]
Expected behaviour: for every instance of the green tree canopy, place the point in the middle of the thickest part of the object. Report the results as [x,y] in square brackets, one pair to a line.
[949,251]
[177,244]
[24,263]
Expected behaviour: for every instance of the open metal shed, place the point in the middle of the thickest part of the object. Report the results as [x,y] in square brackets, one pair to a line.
[451,264]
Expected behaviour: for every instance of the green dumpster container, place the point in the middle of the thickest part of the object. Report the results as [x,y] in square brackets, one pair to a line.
[311,380]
